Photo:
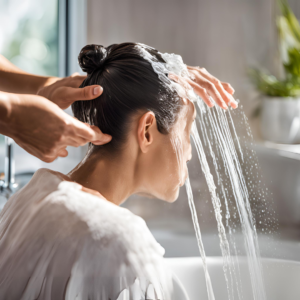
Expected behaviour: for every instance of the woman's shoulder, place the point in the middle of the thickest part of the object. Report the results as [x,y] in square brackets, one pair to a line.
[48,200]
[103,218]
[71,223]
[115,239]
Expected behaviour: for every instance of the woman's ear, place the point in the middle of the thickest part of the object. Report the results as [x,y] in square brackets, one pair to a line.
[146,130]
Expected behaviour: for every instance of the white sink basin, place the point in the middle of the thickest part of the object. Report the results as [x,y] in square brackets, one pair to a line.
[281,278]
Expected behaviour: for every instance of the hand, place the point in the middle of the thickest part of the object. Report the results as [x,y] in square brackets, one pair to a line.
[43,129]
[65,91]
[208,87]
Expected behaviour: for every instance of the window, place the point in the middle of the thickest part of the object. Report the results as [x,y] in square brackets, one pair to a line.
[42,37]
[29,35]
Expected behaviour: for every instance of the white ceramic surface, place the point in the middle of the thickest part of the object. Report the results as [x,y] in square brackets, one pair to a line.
[280,120]
[281,278]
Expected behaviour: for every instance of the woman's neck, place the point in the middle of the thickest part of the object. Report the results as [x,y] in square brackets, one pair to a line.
[113,177]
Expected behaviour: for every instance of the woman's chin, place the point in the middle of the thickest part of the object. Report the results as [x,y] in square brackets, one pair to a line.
[173,196]
[170,196]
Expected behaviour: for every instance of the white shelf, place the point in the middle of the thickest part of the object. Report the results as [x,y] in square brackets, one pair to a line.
[286,150]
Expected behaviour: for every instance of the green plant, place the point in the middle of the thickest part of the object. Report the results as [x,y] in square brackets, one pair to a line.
[289,35]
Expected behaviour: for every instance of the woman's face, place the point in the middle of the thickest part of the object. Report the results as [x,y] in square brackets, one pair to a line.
[167,168]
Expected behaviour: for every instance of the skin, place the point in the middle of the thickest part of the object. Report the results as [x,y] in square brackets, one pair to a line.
[209,88]
[38,125]
[23,113]
[44,141]
[146,165]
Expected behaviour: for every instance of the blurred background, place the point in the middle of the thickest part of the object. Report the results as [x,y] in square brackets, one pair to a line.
[227,37]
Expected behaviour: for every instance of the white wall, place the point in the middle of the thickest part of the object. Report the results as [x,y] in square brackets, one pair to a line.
[224,36]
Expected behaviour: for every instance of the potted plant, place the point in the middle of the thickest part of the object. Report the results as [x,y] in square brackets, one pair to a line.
[280,106]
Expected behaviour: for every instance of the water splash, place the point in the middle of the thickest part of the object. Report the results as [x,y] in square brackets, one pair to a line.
[217,119]
[189,191]
[217,128]
[224,245]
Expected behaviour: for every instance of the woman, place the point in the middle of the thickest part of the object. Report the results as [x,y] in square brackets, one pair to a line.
[65,236]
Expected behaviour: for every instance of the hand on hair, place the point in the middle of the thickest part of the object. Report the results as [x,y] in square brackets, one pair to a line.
[42,128]
[65,91]
[206,86]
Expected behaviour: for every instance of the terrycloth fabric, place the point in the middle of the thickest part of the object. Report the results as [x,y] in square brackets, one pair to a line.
[58,242]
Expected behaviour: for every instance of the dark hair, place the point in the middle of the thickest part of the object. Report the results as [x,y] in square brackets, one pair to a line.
[130,84]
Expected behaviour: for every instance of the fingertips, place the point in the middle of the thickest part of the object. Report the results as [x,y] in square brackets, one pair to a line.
[202,92]
[48,159]
[219,100]
[91,92]
[223,105]
[105,138]
[97,90]
[232,102]
[62,153]
[228,88]
[99,137]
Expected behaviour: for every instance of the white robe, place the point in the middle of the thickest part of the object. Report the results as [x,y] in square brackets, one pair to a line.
[58,242]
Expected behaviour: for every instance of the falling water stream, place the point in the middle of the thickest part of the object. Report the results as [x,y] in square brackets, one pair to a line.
[219,142]
[217,121]
[210,291]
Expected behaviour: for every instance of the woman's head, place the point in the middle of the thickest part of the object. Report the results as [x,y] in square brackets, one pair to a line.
[136,107]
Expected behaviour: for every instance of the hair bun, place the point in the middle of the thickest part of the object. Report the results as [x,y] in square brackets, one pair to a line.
[92,57]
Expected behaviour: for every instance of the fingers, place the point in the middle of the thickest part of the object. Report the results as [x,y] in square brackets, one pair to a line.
[211,89]
[100,138]
[91,133]
[198,89]
[202,92]
[52,157]
[220,91]
[62,153]
[228,88]
[76,141]
[86,93]
[53,154]
[232,102]
[229,100]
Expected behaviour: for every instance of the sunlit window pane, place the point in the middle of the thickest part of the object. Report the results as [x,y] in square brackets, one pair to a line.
[29,35]
[29,39]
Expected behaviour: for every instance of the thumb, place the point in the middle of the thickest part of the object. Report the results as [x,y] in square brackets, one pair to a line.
[86,93]
[90,92]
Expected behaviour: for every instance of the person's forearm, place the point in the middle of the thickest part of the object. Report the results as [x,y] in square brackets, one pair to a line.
[5,110]
[15,80]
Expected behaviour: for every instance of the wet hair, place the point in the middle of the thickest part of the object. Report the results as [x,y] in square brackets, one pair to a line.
[129,85]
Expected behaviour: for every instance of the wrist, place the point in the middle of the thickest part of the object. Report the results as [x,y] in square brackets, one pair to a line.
[5,106]
[48,81]
[7,103]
